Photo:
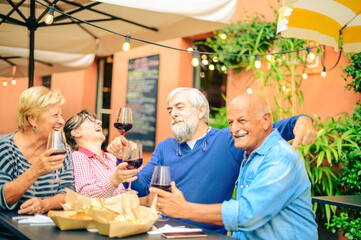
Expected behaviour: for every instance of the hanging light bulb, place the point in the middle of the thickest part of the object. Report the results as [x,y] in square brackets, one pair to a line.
[211,67]
[257,63]
[205,62]
[304,75]
[13,81]
[190,49]
[310,55]
[249,90]
[126,43]
[202,74]
[222,36]
[195,59]
[323,73]
[5,83]
[215,59]
[49,17]
[224,68]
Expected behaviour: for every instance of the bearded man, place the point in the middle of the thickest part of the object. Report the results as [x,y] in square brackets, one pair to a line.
[204,161]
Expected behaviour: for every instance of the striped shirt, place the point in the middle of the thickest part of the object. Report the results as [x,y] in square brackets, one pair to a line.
[92,174]
[13,164]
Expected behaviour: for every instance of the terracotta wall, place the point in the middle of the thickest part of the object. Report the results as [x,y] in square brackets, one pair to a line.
[78,88]
[174,71]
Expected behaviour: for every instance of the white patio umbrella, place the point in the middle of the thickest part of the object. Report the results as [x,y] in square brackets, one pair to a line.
[22,24]
[45,62]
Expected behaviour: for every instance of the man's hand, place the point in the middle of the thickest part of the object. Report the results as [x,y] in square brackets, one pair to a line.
[117,145]
[171,203]
[304,131]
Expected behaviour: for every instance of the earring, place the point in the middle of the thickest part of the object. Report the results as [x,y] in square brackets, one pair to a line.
[33,129]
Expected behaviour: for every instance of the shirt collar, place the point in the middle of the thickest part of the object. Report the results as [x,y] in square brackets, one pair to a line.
[87,152]
[268,142]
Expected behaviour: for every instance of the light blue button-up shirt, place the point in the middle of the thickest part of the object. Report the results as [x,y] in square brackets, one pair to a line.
[273,195]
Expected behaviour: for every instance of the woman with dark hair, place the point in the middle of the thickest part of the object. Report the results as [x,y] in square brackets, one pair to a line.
[95,171]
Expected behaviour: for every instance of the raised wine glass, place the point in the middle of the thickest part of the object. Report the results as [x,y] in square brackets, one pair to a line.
[124,120]
[57,140]
[161,179]
[133,155]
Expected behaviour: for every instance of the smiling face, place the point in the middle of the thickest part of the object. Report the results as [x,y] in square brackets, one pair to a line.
[184,118]
[91,129]
[249,122]
[50,119]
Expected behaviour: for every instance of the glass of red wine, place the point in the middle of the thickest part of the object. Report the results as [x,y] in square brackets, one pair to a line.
[124,120]
[133,155]
[57,140]
[161,179]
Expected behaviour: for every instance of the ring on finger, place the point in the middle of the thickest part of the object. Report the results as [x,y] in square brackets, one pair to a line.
[32,208]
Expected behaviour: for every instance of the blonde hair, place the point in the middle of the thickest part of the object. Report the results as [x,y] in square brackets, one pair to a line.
[35,101]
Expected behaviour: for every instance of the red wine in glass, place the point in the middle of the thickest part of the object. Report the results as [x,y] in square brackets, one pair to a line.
[57,140]
[161,179]
[123,128]
[133,155]
[124,120]
[161,186]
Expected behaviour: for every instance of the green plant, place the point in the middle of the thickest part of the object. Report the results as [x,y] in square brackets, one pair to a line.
[353,70]
[349,225]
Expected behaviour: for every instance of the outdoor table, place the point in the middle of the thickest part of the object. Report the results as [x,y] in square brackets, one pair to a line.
[348,201]
[25,231]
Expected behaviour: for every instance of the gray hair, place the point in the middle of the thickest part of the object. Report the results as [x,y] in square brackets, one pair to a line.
[196,98]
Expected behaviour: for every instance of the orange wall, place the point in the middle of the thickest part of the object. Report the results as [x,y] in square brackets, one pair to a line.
[322,96]
[78,88]
[174,71]
[9,97]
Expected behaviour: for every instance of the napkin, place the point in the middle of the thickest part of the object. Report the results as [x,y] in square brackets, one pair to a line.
[37,220]
[169,229]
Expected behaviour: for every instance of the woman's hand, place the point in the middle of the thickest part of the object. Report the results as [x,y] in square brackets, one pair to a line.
[122,174]
[47,162]
[117,145]
[34,206]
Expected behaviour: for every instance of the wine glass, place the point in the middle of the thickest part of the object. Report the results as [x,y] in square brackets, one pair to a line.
[161,179]
[133,155]
[57,140]
[124,120]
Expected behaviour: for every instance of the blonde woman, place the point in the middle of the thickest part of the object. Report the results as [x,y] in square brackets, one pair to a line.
[95,172]
[26,166]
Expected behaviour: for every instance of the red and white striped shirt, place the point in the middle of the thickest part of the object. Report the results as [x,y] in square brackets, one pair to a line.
[92,174]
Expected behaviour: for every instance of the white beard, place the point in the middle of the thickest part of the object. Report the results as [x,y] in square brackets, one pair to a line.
[184,130]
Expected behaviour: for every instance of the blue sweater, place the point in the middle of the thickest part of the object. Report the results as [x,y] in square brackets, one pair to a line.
[208,172]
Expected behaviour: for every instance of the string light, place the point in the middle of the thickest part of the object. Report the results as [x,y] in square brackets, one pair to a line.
[323,73]
[195,59]
[224,68]
[249,90]
[13,81]
[5,83]
[211,67]
[304,75]
[257,63]
[223,36]
[310,55]
[205,62]
[126,43]
[215,59]
[49,17]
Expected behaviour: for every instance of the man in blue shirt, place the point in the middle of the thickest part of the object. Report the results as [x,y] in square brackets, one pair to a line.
[203,161]
[273,191]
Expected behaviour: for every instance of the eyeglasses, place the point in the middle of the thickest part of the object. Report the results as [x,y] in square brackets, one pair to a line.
[89,118]
[205,143]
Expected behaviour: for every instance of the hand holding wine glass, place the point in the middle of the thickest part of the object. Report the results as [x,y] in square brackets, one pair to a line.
[133,155]
[57,140]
